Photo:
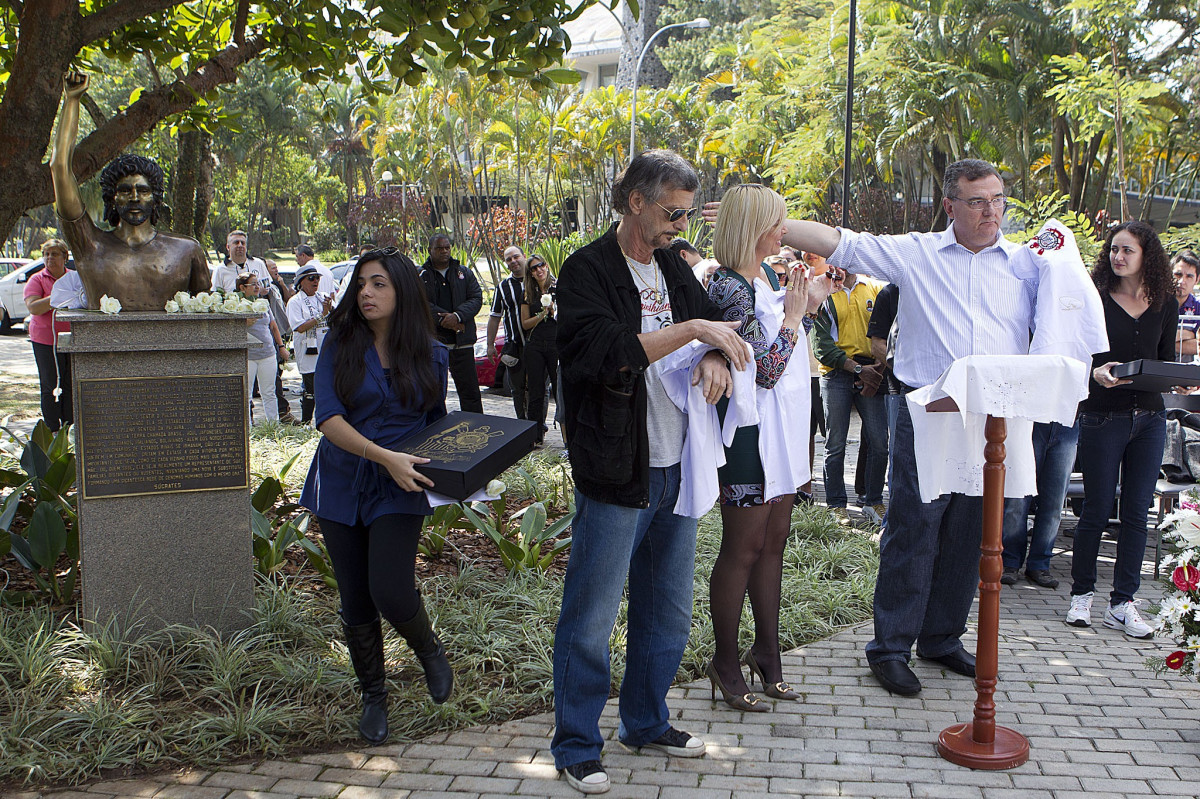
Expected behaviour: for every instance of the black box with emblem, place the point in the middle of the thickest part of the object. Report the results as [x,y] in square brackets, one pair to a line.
[467,450]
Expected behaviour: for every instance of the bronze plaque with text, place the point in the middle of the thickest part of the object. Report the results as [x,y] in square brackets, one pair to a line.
[159,435]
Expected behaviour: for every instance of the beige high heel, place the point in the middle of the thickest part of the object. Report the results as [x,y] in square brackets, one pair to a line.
[778,690]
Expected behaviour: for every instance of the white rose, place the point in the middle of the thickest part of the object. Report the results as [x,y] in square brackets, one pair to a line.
[191,305]
[110,305]
[495,488]
[230,305]
[180,296]
[260,306]
[547,300]
[205,300]
[245,306]
[172,306]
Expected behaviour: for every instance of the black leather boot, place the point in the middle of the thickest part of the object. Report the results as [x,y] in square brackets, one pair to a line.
[365,642]
[429,650]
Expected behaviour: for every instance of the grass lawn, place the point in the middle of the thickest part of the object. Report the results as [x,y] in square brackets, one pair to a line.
[77,705]
[22,398]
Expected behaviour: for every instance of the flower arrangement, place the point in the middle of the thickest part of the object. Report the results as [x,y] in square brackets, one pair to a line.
[1179,614]
[216,301]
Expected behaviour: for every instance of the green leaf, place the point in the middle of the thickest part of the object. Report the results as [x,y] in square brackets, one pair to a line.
[34,459]
[533,521]
[563,76]
[266,494]
[22,552]
[287,467]
[47,535]
[260,526]
[8,511]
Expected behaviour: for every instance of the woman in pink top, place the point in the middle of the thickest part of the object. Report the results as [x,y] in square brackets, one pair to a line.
[54,373]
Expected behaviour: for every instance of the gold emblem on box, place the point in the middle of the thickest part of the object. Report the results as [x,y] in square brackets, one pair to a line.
[459,443]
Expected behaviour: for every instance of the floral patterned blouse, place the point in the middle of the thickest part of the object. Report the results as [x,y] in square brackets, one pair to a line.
[735,297]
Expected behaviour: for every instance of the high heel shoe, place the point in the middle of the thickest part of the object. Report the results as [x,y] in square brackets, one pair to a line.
[747,702]
[778,690]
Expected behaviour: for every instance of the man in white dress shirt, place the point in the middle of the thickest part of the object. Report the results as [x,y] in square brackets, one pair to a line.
[958,297]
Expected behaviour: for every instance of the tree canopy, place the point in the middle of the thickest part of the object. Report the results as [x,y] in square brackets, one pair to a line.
[191,48]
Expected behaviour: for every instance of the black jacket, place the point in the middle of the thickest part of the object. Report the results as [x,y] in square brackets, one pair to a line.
[599,319]
[466,294]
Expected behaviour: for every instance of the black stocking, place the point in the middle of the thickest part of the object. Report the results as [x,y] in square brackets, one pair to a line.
[743,534]
[766,582]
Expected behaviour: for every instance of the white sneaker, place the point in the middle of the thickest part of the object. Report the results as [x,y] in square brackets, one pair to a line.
[1080,614]
[1125,617]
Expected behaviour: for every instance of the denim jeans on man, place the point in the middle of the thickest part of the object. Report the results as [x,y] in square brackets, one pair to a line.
[928,562]
[1125,445]
[656,551]
[838,396]
[1054,457]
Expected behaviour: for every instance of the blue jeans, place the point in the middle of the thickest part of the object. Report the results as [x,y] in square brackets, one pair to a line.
[656,551]
[838,395]
[1054,456]
[1126,446]
[928,562]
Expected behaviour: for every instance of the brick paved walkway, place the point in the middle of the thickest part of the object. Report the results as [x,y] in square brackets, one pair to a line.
[1097,722]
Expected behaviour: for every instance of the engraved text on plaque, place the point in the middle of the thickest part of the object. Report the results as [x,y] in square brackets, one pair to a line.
[155,435]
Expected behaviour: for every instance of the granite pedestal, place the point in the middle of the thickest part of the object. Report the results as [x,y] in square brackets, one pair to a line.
[162,460]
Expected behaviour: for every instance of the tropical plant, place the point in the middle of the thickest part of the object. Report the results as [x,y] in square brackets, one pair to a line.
[437,528]
[38,518]
[284,528]
[534,544]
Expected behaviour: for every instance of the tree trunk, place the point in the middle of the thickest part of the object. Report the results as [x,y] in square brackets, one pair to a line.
[204,186]
[637,32]
[183,192]
[1058,145]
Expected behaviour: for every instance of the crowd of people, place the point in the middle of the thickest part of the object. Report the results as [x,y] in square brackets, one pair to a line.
[650,348]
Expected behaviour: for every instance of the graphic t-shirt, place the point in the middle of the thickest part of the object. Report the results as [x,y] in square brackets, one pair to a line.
[665,423]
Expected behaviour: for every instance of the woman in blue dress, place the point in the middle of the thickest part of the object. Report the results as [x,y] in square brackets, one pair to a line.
[380,377]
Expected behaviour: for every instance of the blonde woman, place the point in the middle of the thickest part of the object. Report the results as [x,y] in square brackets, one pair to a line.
[760,476]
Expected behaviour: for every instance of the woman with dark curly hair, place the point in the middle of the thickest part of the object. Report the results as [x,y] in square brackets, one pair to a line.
[1121,432]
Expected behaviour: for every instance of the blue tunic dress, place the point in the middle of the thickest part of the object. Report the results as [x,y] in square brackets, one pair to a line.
[343,486]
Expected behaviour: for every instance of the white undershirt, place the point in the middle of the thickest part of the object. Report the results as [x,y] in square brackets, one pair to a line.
[665,423]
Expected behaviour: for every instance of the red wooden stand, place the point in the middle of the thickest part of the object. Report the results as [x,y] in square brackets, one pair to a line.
[981,743]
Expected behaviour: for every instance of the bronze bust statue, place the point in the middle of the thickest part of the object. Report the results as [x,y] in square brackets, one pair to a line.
[135,263]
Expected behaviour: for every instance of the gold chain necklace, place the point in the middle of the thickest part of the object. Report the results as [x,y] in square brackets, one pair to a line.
[655,287]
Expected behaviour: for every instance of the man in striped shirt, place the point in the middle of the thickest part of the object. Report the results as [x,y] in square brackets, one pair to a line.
[959,296]
[506,305]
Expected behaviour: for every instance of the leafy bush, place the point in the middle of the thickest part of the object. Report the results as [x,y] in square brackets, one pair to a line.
[274,535]
[41,504]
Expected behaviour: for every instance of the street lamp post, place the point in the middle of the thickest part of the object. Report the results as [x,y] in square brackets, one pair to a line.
[700,23]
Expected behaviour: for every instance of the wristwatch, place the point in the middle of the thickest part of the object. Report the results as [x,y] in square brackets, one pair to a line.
[858,368]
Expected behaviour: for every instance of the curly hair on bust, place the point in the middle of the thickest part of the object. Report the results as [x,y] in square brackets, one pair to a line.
[1157,282]
[124,166]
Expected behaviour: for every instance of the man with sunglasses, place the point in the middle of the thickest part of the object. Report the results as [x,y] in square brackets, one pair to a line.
[959,296]
[625,301]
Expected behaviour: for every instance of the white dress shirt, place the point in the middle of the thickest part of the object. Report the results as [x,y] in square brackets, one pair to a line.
[225,276]
[953,302]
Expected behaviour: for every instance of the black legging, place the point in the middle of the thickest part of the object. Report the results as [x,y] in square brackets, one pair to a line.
[541,361]
[375,567]
[308,399]
[55,412]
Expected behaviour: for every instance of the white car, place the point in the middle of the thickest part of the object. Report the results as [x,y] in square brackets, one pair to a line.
[12,293]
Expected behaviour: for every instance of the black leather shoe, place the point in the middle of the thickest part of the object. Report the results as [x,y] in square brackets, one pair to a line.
[959,661]
[1009,577]
[896,677]
[1041,577]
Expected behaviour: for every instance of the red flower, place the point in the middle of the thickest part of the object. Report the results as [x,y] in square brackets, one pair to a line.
[1175,660]
[1186,578]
